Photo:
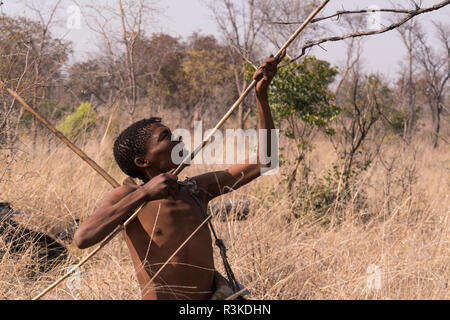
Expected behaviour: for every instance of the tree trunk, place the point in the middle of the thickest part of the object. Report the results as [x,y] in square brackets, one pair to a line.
[411,101]
[6,124]
[293,175]
[436,116]
[240,116]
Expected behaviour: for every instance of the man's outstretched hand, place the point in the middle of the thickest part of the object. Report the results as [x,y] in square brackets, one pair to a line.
[265,73]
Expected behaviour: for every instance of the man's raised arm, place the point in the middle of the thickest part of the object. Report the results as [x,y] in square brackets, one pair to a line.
[219,182]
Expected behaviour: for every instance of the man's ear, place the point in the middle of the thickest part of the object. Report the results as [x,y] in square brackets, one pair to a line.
[141,162]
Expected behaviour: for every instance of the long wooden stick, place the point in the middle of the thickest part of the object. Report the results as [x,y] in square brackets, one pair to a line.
[114,183]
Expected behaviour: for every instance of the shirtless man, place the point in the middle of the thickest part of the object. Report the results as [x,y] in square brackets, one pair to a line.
[143,150]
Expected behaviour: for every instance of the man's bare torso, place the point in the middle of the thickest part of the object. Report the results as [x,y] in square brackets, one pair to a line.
[153,237]
[172,216]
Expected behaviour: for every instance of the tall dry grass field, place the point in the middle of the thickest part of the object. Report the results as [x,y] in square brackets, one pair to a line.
[396,246]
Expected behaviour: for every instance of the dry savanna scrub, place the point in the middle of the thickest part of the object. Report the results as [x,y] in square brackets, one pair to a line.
[395,246]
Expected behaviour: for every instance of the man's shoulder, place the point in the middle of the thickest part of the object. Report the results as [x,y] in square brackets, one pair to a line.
[118,193]
[199,186]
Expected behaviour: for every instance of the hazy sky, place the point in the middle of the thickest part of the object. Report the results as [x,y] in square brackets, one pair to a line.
[382,53]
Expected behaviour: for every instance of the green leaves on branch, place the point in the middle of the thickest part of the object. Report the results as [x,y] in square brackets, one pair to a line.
[79,121]
[204,68]
[300,91]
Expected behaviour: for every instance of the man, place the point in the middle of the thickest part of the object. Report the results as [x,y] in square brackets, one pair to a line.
[143,150]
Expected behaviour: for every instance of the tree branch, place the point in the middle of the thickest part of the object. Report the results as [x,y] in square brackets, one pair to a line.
[411,14]
[338,14]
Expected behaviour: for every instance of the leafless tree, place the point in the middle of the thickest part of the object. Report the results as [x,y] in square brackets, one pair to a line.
[435,65]
[129,17]
[45,23]
[241,23]
[408,33]
[363,99]
[353,52]
[10,75]
[276,32]
[31,58]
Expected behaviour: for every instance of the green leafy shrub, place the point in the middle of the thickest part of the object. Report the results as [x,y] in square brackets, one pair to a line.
[395,119]
[300,91]
[79,121]
[325,199]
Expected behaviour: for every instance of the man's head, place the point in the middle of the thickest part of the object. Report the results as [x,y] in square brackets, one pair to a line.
[144,149]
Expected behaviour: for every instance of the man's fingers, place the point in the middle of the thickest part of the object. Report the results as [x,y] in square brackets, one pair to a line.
[169,189]
[269,61]
[172,184]
[282,55]
[258,74]
[266,71]
[171,177]
[269,68]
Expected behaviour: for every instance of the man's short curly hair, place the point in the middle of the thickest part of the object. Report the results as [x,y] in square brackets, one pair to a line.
[131,143]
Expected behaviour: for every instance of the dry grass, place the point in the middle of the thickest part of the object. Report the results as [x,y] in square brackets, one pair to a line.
[275,255]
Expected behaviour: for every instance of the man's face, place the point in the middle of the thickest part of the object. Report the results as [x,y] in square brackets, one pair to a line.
[159,148]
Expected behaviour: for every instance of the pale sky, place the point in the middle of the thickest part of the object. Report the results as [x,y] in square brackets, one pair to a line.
[381,53]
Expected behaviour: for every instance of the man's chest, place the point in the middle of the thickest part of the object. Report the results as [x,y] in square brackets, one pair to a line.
[172,218]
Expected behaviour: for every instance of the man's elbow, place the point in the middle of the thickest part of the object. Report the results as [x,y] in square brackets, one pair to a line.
[80,239]
[88,232]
